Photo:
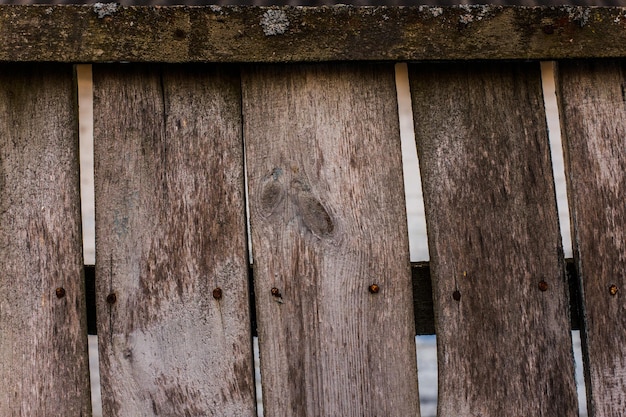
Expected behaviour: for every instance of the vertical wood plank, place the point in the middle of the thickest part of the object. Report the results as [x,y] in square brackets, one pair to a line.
[173,307]
[501,307]
[592,103]
[43,333]
[328,221]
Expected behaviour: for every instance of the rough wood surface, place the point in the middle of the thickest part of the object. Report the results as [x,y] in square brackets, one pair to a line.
[592,102]
[43,332]
[501,308]
[106,32]
[328,222]
[172,269]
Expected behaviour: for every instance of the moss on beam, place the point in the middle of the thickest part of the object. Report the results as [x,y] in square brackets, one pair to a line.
[107,32]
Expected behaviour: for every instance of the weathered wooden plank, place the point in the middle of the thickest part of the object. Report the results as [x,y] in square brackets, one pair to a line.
[332,278]
[501,308]
[43,333]
[172,275]
[106,32]
[593,111]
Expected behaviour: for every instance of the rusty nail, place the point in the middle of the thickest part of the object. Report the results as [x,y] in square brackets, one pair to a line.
[111,298]
[60,292]
[374,288]
[543,286]
[276,292]
[613,289]
[456,295]
[217,293]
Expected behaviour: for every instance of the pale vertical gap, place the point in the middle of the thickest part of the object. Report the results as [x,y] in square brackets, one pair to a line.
[255,340]
[418,244]
[558,167]
[85,123]
[426,346]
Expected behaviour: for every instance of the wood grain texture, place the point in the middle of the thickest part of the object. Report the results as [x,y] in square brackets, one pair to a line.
[43,332]
[328,221]
[105,32]
[504,345]
[170,229]
[592,102]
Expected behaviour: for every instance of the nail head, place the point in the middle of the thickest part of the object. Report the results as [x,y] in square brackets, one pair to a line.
[60,292]
[374,288]
[543,286]
[613,289]
[276,292]
[217,293]
[111,298]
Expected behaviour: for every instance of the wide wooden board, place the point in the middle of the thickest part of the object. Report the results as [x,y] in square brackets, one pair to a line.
[43,331]
[172,264]
[501,307]
[592,102]
[329,236]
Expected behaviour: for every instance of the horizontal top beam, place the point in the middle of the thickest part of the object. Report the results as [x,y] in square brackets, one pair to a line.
[107,32]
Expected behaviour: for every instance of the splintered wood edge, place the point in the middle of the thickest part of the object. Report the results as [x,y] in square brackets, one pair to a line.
[107,32]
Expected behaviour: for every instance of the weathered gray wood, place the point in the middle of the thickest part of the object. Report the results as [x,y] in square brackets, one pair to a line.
[170,230]
[108,32]
[501,308]
[328,222]
[43,332]
[592,103]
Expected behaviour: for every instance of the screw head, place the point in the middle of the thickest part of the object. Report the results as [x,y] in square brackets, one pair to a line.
[613,289]
[374,289]
[111,298]
[217,293]
[60,292]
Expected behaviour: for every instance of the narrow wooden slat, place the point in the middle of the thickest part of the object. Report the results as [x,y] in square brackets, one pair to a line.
[43,332]
[592,99]
[328,221]
[501,308]
[172,271]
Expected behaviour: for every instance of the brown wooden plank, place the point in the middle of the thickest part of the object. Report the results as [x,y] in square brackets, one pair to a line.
[105,32]
[328,222]
[592,103]
[172,270]
[501,308]
[43,332]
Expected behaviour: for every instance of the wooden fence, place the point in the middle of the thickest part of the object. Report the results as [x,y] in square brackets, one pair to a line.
[211,88]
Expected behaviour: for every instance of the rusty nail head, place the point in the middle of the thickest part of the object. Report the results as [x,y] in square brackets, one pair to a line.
[374,288]
[276,292]
[543,286]
[217,293]
[60,292]
[456,295]
[111,298]
[613,289]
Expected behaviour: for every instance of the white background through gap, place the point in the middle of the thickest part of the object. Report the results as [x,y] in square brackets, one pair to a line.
[426,345]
